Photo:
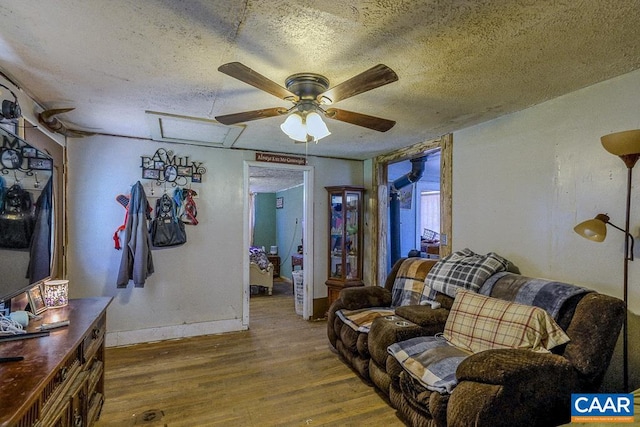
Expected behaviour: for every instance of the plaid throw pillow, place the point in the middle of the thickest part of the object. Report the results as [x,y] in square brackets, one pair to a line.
[477,323]
[463,269]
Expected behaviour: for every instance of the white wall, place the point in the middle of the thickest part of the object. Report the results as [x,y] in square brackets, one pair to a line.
[327,173]
[523,181]
[196,288]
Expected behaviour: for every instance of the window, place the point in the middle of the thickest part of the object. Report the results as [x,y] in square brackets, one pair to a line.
[430,210]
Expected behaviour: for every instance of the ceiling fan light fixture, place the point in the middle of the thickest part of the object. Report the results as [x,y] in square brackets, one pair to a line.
[300,128]
[294,128]
[316,126]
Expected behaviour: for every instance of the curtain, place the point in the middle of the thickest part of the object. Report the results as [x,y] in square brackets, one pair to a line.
[252,216]
[430,211]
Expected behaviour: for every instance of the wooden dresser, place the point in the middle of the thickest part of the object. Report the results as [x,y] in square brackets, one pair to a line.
[60,382]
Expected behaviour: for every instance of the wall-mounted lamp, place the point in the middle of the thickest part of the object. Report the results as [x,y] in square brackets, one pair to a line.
[625,145]
[305,126]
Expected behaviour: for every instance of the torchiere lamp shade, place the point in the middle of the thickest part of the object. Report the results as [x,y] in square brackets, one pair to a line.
[622,143]
[625,144]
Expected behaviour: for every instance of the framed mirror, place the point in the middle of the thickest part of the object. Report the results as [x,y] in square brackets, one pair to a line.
[27,215]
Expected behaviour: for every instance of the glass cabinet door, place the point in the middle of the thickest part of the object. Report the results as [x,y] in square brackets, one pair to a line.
[352,240]
[345,239]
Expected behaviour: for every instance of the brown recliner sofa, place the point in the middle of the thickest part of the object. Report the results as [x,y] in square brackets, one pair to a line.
[351,345]
[502,387]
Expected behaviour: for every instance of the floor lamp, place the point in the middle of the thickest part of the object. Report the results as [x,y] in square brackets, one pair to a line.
[626,145]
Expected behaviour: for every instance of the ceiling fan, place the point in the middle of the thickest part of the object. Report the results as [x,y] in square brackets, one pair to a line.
[309,93]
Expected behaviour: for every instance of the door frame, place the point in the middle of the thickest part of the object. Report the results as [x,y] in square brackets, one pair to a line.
[380,201]
[307,236]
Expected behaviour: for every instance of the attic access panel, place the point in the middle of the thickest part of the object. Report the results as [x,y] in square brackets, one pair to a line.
[191,130]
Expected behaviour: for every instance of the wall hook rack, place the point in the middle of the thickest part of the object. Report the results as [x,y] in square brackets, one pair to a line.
[165,167]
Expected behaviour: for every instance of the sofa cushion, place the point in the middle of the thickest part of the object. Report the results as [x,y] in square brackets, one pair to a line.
[361,320]
[462,269]
[409,282]
[477,323]
[430,360]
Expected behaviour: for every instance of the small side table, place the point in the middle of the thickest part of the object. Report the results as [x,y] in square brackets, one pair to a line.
[297,260]
[275,260]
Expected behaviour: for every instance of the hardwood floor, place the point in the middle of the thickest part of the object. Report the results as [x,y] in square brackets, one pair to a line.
[281,372]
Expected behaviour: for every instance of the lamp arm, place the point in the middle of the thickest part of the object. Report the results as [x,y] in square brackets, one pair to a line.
[616,227]
[629,237]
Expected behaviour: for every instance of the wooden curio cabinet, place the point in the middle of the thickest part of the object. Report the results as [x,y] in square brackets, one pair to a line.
[345,239]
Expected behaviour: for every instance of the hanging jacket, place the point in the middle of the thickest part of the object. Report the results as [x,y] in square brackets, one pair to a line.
[40,248]
[136,263]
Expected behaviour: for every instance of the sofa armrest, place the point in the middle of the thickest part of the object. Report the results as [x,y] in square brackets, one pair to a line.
[355,298]
[513,366]
[385,331]
[512,387]
[424,315]
[332,332]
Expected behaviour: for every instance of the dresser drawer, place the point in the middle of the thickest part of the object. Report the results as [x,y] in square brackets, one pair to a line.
[59,386]
[93,341]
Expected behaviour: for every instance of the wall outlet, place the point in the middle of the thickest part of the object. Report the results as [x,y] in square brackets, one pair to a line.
[443,239]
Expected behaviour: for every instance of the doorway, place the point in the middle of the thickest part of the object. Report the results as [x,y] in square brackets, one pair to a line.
[286,185]
[380,205]
[414,206]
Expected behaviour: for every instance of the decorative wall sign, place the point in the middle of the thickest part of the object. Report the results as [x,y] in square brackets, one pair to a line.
[279,202]
[17,155]
[280,158]
[164,166]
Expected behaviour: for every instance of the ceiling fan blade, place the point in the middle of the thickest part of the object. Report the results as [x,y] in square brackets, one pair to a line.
[247,75]
[247,116]
[374,77]
[371,122]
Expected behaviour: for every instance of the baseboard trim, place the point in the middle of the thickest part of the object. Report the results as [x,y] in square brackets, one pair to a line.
[162,333]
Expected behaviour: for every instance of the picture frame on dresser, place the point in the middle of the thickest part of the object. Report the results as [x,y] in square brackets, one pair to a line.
[36,299]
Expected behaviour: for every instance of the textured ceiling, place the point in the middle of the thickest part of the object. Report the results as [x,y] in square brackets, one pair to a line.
[459,62]
[272,180]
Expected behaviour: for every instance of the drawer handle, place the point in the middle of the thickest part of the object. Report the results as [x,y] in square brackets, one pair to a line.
[63,373]
[95,334]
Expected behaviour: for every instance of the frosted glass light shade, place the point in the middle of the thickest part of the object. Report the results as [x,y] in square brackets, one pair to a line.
[622,143]
[294,128]
[316,127]
[593,229]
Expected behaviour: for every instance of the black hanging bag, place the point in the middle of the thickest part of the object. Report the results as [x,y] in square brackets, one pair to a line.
[17,219]
[166,229]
